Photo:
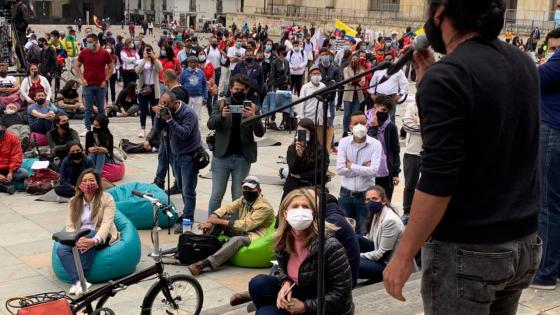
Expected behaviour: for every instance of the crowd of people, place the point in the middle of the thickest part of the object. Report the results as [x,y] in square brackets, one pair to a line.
[237,75]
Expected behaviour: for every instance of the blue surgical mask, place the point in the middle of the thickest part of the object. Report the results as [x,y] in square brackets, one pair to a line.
[90,46]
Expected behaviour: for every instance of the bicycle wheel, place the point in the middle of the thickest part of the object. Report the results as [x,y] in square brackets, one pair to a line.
[185,291]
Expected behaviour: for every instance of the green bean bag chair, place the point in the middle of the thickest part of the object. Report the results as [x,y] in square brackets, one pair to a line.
[26,164]
[258,254]
[112,262]
[139,210]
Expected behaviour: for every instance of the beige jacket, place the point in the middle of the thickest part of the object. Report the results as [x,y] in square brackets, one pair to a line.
[103,222]
[156,69]
[253,220]
[348,96]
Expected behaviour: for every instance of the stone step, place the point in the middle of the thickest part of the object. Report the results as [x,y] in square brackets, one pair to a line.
[368,299]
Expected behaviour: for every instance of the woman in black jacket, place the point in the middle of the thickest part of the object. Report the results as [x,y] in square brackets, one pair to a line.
[99,142]
[304,161]
[385,130]
[72,166]
[294,288]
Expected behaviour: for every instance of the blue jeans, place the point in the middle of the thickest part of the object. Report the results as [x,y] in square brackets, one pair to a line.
[163,160]
[369,269]
[65,254]
[355,208]
[19,175]
[238,167]
[349,109]
[99,159]
[41,126]
[332,110]
[146,102]
[263,290]
[187,177]
[93,95]
[549,217]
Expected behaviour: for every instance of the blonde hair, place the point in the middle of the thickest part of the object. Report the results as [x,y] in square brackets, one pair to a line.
[284,238]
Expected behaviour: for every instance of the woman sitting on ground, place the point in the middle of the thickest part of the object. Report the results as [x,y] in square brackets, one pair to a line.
[32,83]
[90,208]
[302,160]
[378,245]
[72,166]
[127,102]
[294,288]
[99,142]
[69,100]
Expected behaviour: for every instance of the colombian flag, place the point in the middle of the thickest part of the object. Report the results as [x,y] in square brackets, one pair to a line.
[97,21]
[340,26]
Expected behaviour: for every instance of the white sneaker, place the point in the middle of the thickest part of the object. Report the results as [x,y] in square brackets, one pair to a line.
[83,134]
[79,291]
[142,133]
[72,290]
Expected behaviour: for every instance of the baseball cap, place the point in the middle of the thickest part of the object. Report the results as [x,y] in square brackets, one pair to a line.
[251,182]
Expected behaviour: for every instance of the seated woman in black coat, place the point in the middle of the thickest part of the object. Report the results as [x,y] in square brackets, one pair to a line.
[99,142]
[71,168]
[302,158]
[127,102]
[294,288]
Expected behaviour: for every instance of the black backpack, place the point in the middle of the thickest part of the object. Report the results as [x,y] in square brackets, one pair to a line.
[194,247]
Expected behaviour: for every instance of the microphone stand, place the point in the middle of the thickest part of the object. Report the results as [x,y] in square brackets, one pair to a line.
[322,96]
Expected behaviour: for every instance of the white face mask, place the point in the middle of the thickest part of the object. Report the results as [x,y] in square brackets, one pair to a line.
[10,111]
[359,131]
[316,79]
[299,218]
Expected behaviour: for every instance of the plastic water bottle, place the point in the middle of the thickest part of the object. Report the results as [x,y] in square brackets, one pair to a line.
[187,225]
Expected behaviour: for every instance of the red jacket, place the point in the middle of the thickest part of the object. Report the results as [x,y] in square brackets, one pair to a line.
[11,155]
[173,65]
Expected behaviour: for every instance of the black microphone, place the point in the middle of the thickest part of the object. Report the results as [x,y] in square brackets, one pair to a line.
[420,42]
[153,201]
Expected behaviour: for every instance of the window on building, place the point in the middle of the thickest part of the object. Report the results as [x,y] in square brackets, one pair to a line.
[164,5]
[192,5]
[43,8]
[384,5]
[139,5]
[152,5]
[219,6]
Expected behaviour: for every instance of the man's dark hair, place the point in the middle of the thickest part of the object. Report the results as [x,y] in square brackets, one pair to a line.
[386,101]
[555,33]
[58,115]
[93,36]
[295,42]
[325,50]
[239,78]
[358,113]
[55,33]
[485,17]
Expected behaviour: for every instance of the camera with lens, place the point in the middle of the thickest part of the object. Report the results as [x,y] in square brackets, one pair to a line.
[165,111]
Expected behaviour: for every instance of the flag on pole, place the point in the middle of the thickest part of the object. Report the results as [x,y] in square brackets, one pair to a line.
[317,40]
[420,31]
[340,26]
[97,21]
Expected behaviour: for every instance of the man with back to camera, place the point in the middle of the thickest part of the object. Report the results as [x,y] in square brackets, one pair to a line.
[478,195]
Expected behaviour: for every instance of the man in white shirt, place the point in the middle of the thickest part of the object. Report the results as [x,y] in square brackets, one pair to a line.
[411,160]
[358,159]
[309,108]
[395,87]
[298,63]
[235,54]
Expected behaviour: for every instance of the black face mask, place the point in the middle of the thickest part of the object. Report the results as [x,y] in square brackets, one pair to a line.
[238,97]
[434,35]
[2,132]
[250,59]
[382,117]
[250,196]
[76,156]
[3,74]
[96,130]
[214,45]
[65,126]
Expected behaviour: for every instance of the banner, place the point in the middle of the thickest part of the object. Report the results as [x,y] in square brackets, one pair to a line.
[97,21]
[340,26]
[317,40]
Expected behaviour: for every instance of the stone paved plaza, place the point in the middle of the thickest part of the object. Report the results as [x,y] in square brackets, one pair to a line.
[26,227]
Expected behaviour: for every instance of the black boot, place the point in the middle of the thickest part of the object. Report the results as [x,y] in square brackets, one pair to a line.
[10,189]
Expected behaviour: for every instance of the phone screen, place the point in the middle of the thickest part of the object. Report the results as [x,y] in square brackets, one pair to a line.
[302,136]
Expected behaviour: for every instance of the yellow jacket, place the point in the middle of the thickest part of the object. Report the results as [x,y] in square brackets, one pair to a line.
[103,222]
[252,219]
[71,50]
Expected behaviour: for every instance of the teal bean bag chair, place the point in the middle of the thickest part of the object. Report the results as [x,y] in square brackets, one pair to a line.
[26,164]
[112,262]
[139,210]
[258,254]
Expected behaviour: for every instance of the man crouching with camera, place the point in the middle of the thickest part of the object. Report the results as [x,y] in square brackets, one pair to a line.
[235,147]
[181,122]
